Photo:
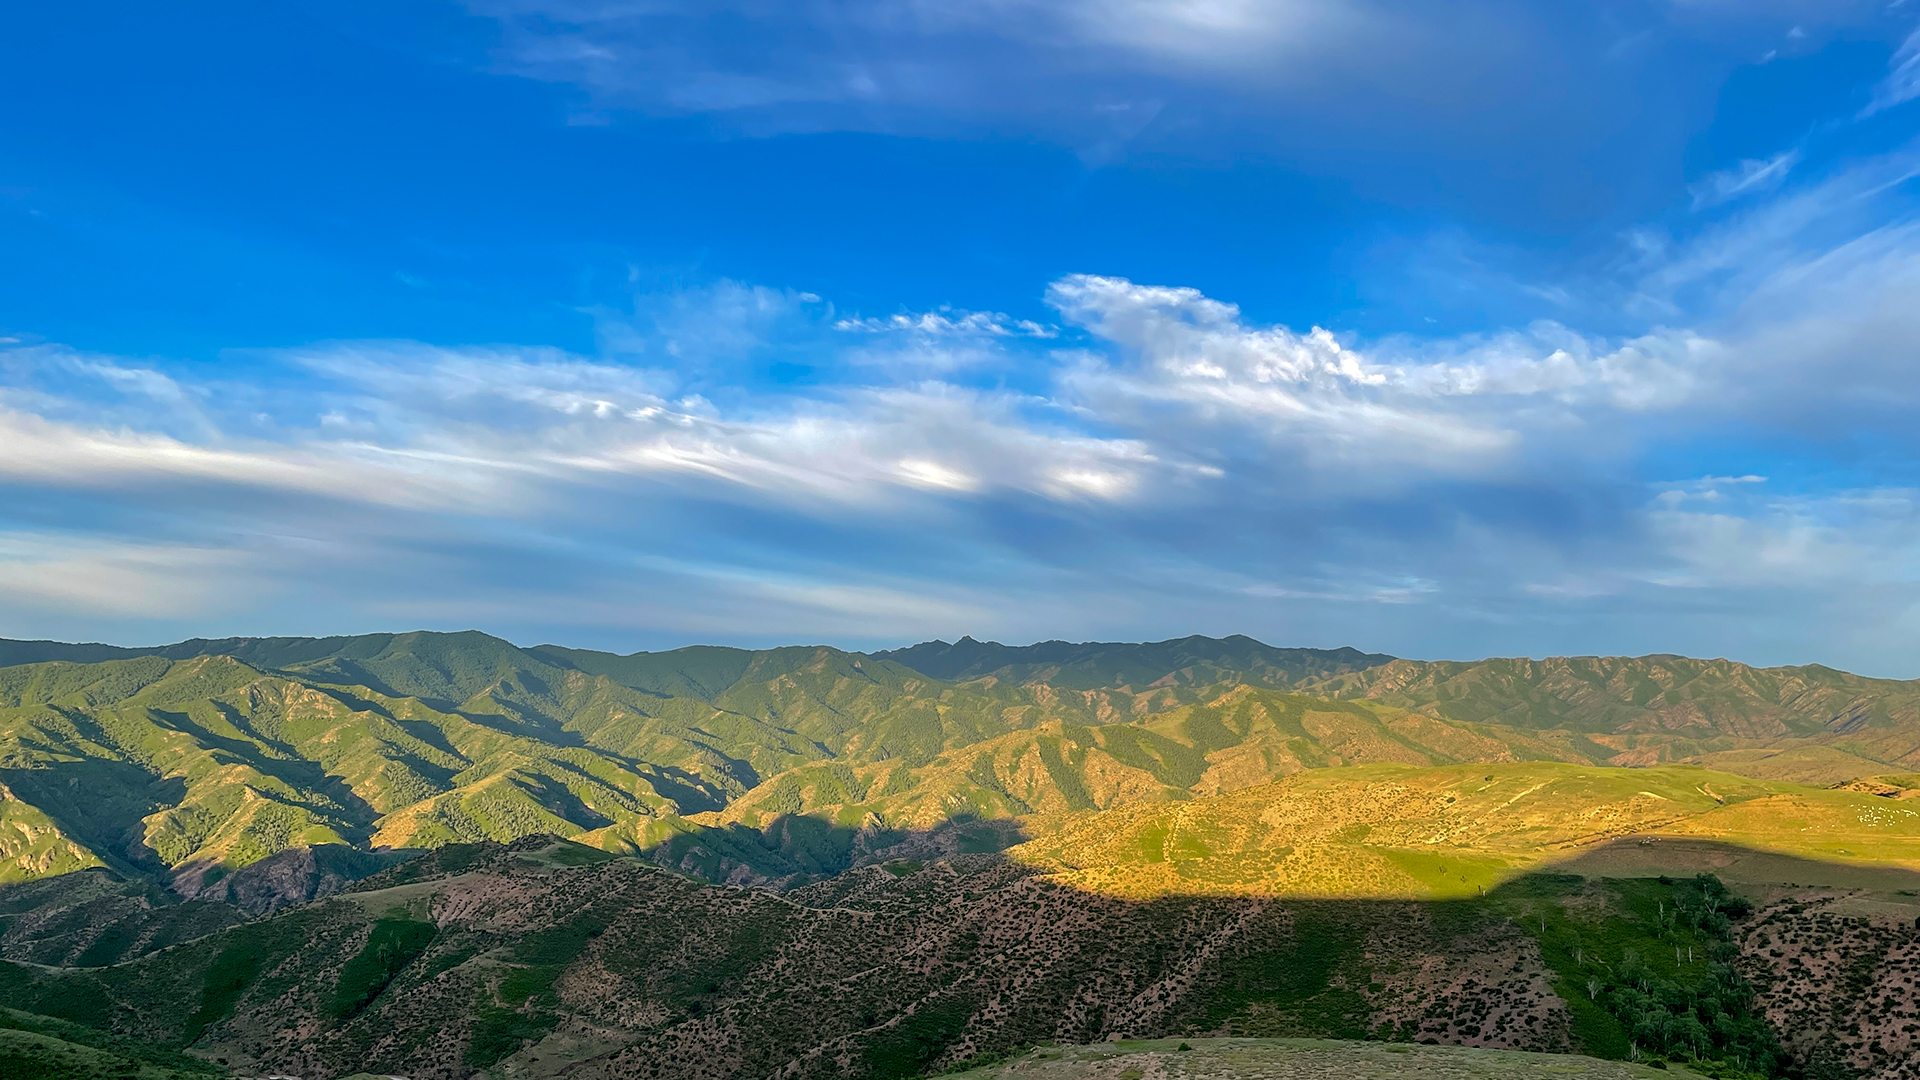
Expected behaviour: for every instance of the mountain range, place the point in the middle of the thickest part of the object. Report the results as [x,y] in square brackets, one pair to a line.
[189,763]
[445,856]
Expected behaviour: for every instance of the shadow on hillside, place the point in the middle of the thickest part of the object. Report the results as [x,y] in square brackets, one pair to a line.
[1642,857]
[1649,954]
[99,803]
[791,849]
[515,722]
[299,774]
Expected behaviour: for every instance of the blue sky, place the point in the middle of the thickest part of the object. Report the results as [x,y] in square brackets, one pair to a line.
[1459,329]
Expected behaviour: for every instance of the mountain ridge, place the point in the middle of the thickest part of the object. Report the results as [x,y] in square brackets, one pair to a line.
[191,761]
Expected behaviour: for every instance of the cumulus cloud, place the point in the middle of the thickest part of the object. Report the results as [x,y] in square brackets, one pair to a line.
[1189,368]
[1655,371]
[1187,334]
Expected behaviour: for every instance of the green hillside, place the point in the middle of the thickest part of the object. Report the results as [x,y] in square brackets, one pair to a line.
[1664,697]
[34,1047]
[1193,661]
[187,763]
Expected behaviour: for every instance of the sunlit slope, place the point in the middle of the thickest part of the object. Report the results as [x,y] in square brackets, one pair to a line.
[1621,697]
[1398,831]
[195,759]
[33,846]
[1243,737]
[205,764]
[1800,761]
[208,761]
[1831,826]
[1622,710]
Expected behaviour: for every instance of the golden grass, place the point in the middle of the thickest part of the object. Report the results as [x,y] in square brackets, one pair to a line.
[1429,833]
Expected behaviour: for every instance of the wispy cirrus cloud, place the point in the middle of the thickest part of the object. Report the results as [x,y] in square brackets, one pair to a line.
[1748,177]
[1902,82]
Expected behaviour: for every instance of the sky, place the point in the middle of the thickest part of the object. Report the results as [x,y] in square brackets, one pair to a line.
[1448,330]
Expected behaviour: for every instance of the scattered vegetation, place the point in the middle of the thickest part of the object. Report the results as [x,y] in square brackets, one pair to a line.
[967,851]
[1648,971]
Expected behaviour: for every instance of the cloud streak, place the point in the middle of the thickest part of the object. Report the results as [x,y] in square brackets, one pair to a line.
[1902,83]
[1748,177]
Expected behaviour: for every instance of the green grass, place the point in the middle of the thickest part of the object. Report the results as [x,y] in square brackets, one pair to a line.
[498,1032]
[231,972]
[31,1056]
[153,1063]
[394,942]
[1649,969]
[911,1046]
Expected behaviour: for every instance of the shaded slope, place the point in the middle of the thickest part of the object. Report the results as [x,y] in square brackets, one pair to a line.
[544,956]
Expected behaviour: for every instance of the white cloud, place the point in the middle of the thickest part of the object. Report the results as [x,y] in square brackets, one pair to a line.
[44,452]
[1902,83]
[1187,372]
[916,52]
[1746,178]
[1189,335]
[431,428]
[858,447]
[1660,370]
[1801,544]
[948,322]
[1202,32]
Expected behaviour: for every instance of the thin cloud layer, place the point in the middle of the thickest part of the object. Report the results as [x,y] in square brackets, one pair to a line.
[1401,102]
